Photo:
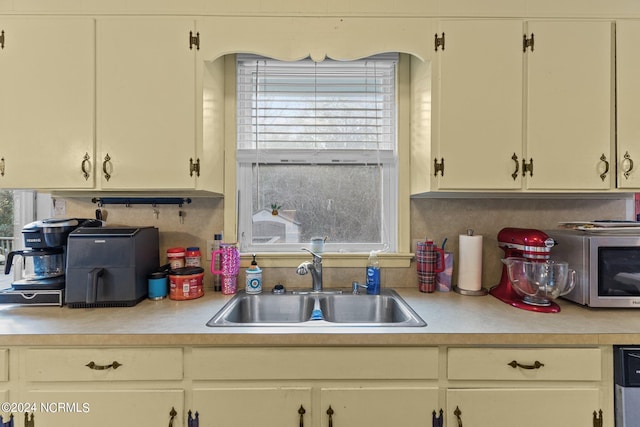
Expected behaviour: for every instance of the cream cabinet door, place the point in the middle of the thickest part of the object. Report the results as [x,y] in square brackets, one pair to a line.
[106,408]
[566,407]
[479,107]
[253,406]
[378,406]
[146,103]
[570,106]
[628,103]
[47,102]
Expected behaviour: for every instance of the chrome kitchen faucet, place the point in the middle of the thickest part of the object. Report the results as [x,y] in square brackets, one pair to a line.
[315,267]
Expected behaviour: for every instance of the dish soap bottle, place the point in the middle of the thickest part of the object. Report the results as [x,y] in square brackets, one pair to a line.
[373,274]
[254,278]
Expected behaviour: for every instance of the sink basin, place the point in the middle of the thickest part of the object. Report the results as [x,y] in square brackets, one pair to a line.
[384,308]
[264,308]
[316,309]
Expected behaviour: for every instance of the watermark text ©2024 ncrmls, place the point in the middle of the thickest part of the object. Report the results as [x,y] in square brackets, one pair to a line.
[46,407]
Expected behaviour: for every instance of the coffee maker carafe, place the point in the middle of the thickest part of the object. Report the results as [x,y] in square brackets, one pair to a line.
[43,262]
[39,268]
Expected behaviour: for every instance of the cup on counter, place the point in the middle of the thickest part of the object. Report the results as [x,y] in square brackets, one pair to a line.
[158,285]
[429,262]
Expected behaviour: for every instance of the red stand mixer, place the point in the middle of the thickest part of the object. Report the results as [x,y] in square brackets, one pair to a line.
[529,245]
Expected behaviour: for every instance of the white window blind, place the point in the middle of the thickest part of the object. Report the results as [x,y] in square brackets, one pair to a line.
[313,106]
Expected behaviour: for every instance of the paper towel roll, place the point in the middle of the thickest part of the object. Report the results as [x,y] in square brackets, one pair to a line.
[470,264]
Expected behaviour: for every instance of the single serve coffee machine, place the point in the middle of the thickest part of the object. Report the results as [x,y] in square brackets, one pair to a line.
[39,277]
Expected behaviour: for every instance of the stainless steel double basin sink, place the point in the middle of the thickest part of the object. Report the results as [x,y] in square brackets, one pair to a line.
[306,309]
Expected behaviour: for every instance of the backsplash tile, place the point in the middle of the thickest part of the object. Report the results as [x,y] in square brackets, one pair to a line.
[434,218]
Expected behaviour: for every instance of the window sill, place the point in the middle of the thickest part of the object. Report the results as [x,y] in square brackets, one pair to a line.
[329,259]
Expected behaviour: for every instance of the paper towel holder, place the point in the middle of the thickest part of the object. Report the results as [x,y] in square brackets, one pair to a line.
[475,293]
[481,292]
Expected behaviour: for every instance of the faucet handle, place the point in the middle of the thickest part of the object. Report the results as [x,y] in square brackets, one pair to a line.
[356,287]
[315,255]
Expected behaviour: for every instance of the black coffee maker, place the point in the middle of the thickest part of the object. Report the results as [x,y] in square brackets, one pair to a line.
[44,260]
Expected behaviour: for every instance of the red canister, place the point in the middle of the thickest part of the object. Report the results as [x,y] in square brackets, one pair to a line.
[186,283]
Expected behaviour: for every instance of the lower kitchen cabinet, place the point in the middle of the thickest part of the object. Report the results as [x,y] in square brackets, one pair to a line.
[377,406]
[363,386]
[104,386]
[528,387]
[253,406]
[522,407]
[145,407]
[276,406]
[341,386]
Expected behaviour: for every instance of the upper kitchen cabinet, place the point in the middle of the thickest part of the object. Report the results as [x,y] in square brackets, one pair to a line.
[628,104]
[522,105]
[570,106]
[47,102]
[479,107]
[147,105]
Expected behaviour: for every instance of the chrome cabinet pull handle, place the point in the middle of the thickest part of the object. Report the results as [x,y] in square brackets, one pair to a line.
[514,175]
[627,160]
[96,367]
[85,165]
[330,413]
[603,175]
[536,365]
[301,411]
[173,414]
[457,413]
[2,166]
[107,161]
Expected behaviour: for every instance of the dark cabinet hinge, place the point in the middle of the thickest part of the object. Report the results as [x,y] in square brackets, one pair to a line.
[527,42]
[194,167]
[438,167]
[2,39]
[194,40]
[438,41]
[527,167]
[597,418]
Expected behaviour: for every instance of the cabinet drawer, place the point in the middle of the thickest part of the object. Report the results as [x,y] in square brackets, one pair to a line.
[4,364]
[104,364]
[553,364]
[314,363]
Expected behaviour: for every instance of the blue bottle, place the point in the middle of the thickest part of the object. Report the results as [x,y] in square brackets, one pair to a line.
[373,274]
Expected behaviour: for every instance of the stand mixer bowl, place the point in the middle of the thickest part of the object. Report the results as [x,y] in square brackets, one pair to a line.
[538,283]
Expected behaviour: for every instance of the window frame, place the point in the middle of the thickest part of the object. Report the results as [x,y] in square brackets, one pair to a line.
[386,159]
[404,255]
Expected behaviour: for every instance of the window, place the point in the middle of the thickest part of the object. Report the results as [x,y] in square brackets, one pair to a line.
[316,153]
[18,208]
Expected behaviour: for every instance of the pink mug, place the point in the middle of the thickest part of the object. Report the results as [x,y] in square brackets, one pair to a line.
[229,260]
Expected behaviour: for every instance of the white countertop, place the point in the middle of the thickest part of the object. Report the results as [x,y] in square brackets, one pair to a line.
[451,319]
